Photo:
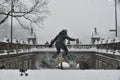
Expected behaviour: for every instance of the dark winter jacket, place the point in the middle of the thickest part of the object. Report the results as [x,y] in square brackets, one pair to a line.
[60,38]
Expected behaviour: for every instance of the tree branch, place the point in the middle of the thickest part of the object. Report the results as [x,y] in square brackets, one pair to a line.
[38,7]
[27,18]
[21,24]
[5,18]
[22,13]
[3,3]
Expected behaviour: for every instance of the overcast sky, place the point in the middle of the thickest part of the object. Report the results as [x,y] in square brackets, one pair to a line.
[79,17]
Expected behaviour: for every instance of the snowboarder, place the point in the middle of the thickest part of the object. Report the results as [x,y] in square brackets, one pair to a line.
[60,42]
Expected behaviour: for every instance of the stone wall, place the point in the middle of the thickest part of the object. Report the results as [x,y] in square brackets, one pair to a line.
[17,61]
[33,60]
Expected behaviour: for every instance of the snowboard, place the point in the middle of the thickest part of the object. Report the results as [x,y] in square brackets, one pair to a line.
[67,58]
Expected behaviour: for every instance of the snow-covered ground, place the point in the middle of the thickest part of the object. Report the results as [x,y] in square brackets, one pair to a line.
[61,75]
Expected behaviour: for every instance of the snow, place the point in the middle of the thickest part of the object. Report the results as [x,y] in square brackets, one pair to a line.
[5,40]
[70,49]
[93,49]
[116,39]
[61,75]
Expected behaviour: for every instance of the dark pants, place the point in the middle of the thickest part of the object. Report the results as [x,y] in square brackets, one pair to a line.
[60,46]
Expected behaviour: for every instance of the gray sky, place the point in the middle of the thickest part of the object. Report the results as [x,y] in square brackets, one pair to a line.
[79,17]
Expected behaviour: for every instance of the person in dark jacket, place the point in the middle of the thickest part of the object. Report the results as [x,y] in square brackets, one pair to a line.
[60,42]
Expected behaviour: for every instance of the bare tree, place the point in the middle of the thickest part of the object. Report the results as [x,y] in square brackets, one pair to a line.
[31,11]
